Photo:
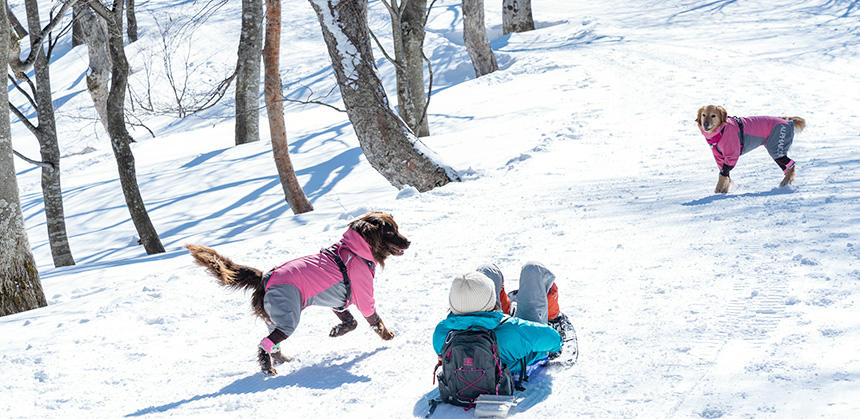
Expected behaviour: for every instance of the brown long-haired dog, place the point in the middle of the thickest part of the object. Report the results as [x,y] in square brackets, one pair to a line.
[730,137]
[334,277]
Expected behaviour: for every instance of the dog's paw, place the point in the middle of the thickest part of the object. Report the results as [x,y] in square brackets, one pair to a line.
[278,358]
[723,184]
[265,362]
[343,328]
[383,331]
[789,177]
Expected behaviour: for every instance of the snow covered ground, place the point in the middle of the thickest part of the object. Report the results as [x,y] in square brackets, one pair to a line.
[580,152]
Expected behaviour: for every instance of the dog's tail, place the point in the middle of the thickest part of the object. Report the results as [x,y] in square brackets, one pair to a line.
[799,123]
[232,275]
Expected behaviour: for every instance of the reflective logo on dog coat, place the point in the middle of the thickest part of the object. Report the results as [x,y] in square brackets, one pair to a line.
[780,146]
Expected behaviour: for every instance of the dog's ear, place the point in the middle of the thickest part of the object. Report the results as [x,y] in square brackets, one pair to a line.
[723,115]
[369,226]
[699,115]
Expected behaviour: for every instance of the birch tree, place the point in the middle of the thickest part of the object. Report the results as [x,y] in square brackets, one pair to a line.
[93,32]
[20,288]
[475,38]
[46,133]
[517,16]
[387,142]
[248,73]
[119,136]
[408,18]
[275,108]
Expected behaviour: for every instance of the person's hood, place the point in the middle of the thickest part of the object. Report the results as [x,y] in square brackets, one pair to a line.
[487,319]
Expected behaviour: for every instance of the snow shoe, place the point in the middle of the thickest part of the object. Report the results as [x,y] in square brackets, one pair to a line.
[564,327]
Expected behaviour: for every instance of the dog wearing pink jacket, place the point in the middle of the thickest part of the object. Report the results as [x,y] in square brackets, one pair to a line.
[732,137]
[336,277]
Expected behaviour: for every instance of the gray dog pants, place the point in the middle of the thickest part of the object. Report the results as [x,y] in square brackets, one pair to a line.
[284,304]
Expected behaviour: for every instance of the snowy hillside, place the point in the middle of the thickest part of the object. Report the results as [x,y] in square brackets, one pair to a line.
[580,152]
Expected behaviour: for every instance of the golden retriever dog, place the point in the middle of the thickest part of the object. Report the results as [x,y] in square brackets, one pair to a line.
[336,277]
[730,137]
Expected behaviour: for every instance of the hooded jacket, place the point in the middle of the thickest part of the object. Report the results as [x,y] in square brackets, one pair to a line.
[517,338]
[316,273]
[725,141]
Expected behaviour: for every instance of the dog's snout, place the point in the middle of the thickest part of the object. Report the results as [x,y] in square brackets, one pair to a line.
[402,242]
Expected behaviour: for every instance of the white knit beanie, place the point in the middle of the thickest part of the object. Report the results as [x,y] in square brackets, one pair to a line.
[472,292]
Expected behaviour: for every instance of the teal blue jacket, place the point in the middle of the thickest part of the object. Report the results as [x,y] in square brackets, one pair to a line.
[517,338]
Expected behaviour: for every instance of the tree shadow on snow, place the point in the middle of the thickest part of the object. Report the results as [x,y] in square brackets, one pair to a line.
[320,376]
[538,388]
[720,197]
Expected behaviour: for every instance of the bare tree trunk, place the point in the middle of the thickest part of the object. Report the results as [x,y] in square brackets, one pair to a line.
[132,21]
[77,25]
[389,145]
[20,288]
[475,37]
[119,136]
[46,133]
[94,33]
[407,28]
[275,108]
[248,73]
[517,16]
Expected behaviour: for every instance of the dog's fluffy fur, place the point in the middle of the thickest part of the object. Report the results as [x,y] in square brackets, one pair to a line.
[378,229]
[710,117]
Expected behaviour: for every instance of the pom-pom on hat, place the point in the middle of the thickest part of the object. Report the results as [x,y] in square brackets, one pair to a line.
[472,292]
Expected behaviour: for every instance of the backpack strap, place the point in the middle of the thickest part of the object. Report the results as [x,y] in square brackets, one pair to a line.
[524,376]
[433,404]
[740,131]
[370,265]
[332,253]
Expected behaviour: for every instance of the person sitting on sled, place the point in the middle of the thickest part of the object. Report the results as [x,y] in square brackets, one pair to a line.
[478,298]
[536,300]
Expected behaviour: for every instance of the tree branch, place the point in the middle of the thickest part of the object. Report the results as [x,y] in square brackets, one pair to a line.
[24,119]
[20,30]
[216,94]
[53,42]
[314,102]
[46,165]
[429,69]
[100,10]
[388,6]
[429,8]
[23,92]
[139,123]
[36,39]
[393,61]
[429,88]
